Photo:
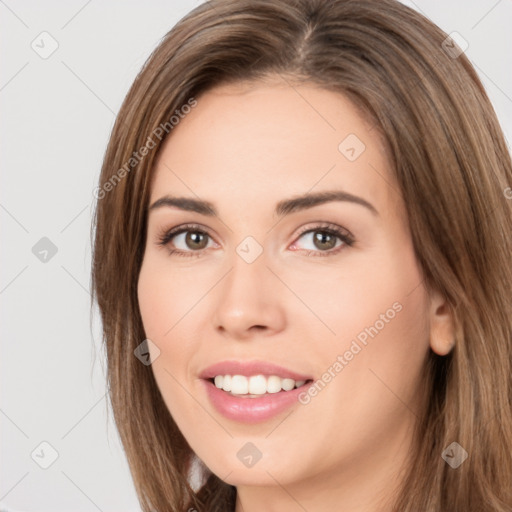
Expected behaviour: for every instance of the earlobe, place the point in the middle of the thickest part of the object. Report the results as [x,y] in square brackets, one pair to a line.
[442,332]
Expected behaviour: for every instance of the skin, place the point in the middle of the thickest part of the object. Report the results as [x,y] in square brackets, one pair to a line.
[244,148]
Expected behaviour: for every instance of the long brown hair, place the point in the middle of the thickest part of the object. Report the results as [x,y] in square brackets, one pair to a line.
[454,172]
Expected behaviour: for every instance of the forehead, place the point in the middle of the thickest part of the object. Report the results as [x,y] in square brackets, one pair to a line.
[256,143]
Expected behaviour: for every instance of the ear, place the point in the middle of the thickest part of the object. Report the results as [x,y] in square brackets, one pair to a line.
[442,332]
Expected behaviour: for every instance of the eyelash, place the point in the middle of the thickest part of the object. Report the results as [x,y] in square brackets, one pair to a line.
[332,229]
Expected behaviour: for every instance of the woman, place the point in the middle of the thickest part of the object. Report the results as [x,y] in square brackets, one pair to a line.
[302,263]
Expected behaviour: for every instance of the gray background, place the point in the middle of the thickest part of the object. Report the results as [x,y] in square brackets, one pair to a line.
[56,115]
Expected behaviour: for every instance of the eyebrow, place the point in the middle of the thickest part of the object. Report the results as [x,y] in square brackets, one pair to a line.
[283,208]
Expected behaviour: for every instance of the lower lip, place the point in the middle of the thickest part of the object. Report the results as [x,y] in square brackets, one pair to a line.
[252,410]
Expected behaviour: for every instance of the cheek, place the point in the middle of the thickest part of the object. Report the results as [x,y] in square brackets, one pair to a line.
[161,306]
[362,290]
[170,305]
[380,315]
[166,297]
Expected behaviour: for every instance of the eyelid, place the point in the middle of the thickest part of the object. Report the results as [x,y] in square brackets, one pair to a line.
[164,236]
[328,226]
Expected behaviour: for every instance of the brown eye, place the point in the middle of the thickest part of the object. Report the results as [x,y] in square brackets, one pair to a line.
[196,240]
[185,240]
[324,240]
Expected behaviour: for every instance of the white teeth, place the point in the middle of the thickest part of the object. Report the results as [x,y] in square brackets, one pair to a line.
[256,384]
[226,385]
[288,384]
[274,384]
[239,385]
[219,381]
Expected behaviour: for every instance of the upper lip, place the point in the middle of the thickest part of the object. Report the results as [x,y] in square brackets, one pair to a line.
[249,368]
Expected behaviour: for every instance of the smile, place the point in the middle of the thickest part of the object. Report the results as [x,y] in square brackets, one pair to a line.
[255,385]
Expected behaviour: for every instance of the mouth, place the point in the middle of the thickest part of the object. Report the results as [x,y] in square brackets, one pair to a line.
[253,391]
[242,405]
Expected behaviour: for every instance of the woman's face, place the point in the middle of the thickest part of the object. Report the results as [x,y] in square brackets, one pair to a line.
[263,282]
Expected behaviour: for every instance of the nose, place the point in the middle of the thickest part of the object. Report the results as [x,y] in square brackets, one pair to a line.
[250,300]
